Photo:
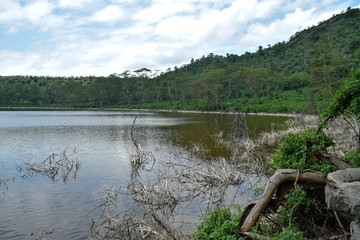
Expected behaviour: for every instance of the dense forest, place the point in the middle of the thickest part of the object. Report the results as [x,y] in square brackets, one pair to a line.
[299,75]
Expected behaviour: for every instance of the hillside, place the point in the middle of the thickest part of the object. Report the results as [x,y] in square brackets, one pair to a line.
[340,35]
[299,75]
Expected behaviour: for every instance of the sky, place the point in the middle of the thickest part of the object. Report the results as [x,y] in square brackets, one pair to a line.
[102,37]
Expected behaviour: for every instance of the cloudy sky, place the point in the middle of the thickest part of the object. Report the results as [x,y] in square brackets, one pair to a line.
[101,37]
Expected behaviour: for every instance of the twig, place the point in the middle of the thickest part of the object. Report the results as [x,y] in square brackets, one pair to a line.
[339,222]
[168,229]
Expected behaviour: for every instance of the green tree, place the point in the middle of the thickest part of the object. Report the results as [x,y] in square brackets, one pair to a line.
[323,69]
[256,80]
[212,82]
[346,102]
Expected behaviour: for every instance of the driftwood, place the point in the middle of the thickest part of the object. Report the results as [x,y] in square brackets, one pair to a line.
[281,176]
[340,164]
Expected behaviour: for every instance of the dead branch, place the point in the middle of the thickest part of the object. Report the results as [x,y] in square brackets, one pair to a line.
[161,191]
[65,164]
[239,128]
[346,134]
[280,176]
[139,158]
[340,164]
[167,228]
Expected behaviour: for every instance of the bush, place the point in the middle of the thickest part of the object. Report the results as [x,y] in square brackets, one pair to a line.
[220,224]
[289,233]
[296,199]
[298,150]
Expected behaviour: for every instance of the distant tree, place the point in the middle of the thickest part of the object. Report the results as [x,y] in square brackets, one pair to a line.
[212,82]
[323,69]
[256,80]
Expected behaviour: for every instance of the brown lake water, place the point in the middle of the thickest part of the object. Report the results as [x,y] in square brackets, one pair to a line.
[32,205]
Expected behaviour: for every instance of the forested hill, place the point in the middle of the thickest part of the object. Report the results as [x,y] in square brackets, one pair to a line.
[298,75]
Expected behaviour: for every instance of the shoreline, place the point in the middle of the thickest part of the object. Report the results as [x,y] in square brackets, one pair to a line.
[145,110]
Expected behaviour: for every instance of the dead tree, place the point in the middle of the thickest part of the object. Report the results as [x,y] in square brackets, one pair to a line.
[239,128]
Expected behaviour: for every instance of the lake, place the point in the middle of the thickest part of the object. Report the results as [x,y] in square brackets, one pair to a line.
[32,205]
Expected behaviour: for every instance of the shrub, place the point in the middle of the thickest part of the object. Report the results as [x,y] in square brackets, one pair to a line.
[298,150]
[290,233]
[296,199]
[220,224]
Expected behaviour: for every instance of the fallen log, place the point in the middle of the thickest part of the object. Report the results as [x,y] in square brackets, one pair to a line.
[281,176]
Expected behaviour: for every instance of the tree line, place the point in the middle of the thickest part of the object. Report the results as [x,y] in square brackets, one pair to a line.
[295,76]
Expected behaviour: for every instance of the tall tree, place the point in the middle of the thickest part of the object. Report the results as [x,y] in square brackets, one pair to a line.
[323,67]
[212,82]
[256,80]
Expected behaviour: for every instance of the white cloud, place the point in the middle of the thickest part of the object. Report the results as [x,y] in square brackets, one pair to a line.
[152,33]
[276,31]
[109,14]
[125,1]
[181,28]
[296,20]
[9,11]
[37,10]
[13,14]
[215,26]
[73,3]
[159,11]
[16,63]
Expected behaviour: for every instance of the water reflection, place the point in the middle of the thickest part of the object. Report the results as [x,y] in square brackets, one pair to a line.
[199,132]
[102,140]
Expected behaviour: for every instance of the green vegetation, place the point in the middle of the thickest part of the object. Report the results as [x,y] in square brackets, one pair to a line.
[289,233]
[295,76]
[301,150]
[298,151]
[224,223]
[353,157]
[346,100]
[296,199]
[303,206]
[220,224]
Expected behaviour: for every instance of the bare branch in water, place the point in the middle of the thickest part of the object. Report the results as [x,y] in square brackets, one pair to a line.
[239,128]
[139,158]
[160,191]
[54,166]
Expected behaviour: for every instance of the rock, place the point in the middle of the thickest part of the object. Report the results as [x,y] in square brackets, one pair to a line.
[342,191]
[355,229]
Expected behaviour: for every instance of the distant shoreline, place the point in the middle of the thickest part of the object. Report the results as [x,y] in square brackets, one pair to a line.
[146,110]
